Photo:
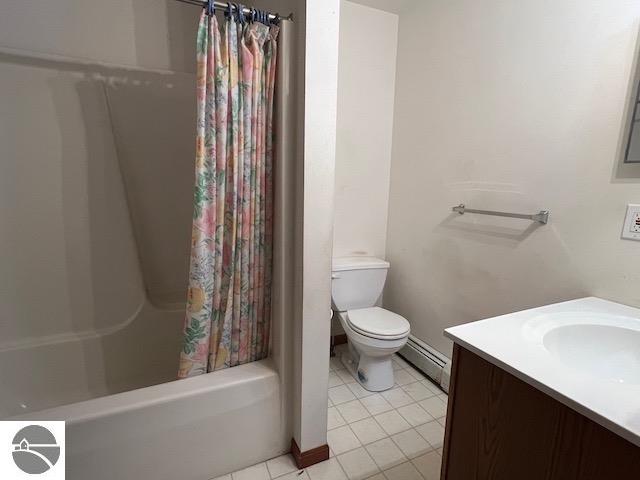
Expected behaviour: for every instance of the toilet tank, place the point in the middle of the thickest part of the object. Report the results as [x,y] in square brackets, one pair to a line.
[357,282]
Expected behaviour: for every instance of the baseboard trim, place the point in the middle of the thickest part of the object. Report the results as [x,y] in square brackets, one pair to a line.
[340,339]
[310,457]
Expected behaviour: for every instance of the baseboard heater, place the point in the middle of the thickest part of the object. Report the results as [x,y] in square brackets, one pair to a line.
[428,360]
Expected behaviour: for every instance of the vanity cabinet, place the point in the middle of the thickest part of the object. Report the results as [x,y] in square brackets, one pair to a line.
[501,428]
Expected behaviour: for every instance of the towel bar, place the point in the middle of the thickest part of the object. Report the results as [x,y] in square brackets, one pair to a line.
[542,216]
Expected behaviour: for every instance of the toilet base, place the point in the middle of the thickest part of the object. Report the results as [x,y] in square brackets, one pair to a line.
[375,374]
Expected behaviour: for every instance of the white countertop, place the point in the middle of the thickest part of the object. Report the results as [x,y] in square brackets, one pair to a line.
[521,344]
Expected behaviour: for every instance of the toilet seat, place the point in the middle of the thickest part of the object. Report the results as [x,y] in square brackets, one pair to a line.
[376,322]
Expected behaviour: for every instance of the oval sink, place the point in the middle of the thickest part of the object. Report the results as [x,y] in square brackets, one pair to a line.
[604,351]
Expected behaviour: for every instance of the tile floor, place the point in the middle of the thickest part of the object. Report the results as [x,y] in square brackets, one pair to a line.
[393,435]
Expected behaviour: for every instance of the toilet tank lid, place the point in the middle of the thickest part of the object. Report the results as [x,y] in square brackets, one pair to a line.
[358,263]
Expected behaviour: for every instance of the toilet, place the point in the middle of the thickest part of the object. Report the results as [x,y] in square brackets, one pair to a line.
[374,334]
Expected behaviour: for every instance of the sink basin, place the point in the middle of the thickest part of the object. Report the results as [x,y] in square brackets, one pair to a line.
[609,352]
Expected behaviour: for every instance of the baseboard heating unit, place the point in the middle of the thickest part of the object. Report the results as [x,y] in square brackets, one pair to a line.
[427,359]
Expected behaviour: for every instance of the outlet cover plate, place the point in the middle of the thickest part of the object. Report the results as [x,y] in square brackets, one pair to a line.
[631,228]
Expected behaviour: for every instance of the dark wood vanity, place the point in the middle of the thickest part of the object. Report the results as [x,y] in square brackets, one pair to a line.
[501,428]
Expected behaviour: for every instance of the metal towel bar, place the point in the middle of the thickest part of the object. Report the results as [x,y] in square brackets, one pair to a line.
[542,216]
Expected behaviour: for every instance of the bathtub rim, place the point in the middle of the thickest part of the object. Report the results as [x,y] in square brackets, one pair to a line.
[140,398]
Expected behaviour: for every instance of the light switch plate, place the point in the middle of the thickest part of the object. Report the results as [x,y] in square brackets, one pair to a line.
[631,228]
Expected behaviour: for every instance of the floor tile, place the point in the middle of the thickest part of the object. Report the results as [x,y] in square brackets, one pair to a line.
[368,431]
[223,477]
[403,377]
[433,433]
[340,394]
[411,443]
[342,439]
[378,476]
[281,465]
[376,404]
[392,422]
[327,470]
[345,376]
[434,406]
[256,472]
[417,391]
[432,386]
[353,411]
[357,464]
[442,421]
[385,453]
[399,361]
[404,471]
[397,397]
[428,465]
[415,373]
[334,380]
[297,475]
[359,391]
[335,363]
[334,419]
[415,414]
[439,451]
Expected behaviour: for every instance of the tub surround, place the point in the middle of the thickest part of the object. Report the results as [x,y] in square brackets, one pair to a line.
[517,343]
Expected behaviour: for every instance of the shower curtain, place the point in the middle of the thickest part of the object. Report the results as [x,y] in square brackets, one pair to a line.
[228,311]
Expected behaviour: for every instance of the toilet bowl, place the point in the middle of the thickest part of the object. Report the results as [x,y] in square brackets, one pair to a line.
[373,333]
[370,352]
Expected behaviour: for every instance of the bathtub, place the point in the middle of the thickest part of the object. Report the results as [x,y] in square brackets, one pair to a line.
[144,423]
[97,309]
[192,429]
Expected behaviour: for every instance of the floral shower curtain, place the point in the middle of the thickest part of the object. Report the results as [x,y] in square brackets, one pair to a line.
[227,319]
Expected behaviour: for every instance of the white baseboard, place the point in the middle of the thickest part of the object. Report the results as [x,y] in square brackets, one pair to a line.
[427,359]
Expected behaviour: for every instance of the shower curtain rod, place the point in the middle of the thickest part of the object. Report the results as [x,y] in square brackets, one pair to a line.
[225,6]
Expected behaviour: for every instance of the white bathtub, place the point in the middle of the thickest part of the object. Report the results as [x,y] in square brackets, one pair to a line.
[197,428]
[81,339]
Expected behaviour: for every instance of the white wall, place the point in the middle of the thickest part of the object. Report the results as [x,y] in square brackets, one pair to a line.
[366,86]
[315,217]
[513,106]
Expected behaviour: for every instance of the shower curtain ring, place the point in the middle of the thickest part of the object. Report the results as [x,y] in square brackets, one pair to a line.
[229,12]
[253,14]
[240,13]
[209,8]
